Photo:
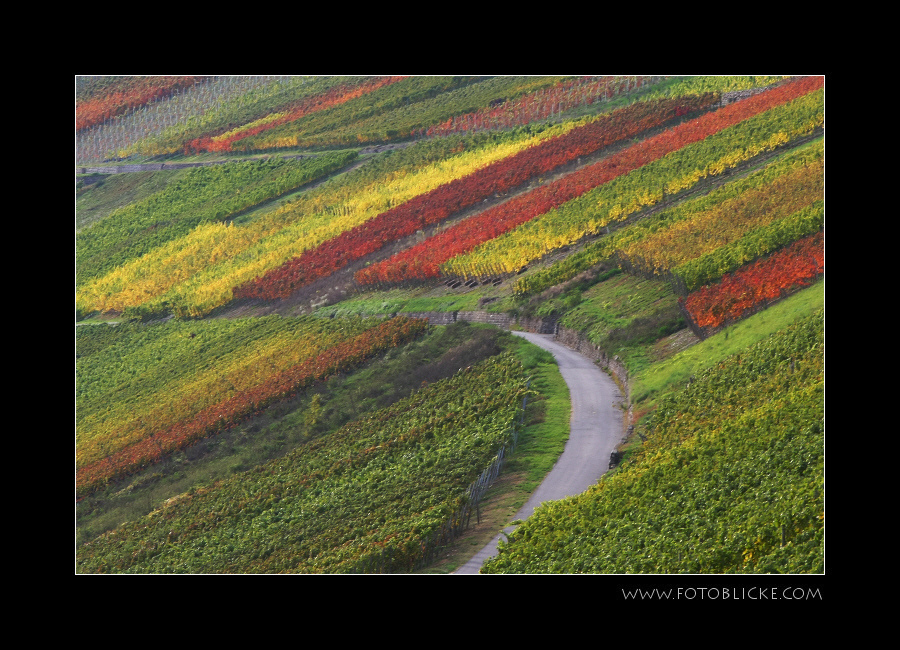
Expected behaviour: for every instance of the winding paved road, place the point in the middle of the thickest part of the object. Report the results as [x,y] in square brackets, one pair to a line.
[596,429]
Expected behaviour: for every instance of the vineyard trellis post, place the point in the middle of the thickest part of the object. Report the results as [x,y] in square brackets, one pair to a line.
[460,520]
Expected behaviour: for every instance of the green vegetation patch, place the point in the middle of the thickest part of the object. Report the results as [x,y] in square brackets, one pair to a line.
[397,301]
[96,200]
[731,479]
[650,383]
[279,429]
[205,194]
[369,498]
[624,315]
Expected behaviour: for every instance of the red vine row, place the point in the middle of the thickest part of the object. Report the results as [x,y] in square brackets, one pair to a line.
[436,205]
[756,285]
[226,414]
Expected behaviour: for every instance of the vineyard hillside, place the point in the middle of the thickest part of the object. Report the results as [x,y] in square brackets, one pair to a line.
[294,298]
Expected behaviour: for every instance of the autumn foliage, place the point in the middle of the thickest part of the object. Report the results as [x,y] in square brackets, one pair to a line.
[423,261]
[332,97]
[757,285]
[435,206]
[538,105]
[225,414]
[126,94]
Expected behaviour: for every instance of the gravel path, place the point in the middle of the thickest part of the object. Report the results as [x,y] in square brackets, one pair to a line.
[596,429]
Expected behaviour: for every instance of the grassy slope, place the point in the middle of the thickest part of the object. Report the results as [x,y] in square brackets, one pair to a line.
[652,383]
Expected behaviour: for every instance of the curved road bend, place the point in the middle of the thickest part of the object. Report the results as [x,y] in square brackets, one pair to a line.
[595,430]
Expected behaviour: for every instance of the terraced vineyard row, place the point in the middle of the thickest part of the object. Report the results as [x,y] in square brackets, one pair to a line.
[205,195]
[198,272]
[730,480]
[254,114]
[272,256]
[458,194]
[161,404]
[754,286]
[163,128]
[624,246]
[370,498]
[644,174]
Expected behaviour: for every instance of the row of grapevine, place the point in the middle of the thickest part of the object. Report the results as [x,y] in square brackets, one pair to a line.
[692,246]
[726,85]
[201,270]
[729,481]
[755,286]
[196,273]
[540,105]
[369,498]
[659,253]
[219,104]
[396,112]
[458,194]
[332,97]
[201,195]
[423,260]
[264,113]
[756,244]
[664,165]
[148,378]
[708,267]
[272,384]
[107,99]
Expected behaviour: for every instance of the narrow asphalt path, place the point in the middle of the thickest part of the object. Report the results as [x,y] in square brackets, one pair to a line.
[595,430]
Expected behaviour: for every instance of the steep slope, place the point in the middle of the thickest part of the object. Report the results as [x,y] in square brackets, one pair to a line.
[621,246]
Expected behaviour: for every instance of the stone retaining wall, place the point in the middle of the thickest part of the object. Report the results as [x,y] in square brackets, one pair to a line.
[155,167]
[503,321]
[568,337]
[579,342]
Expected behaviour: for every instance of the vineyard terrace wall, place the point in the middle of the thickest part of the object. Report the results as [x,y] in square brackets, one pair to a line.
[570,338]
